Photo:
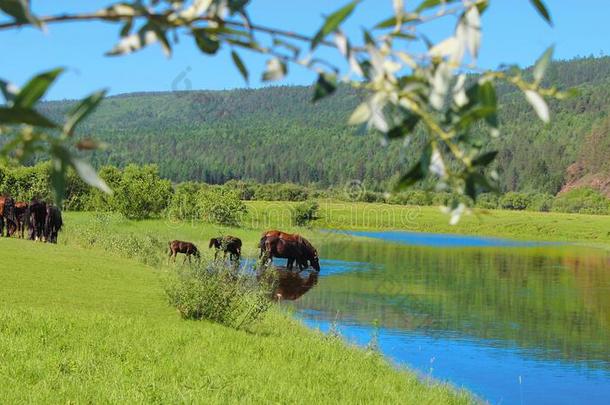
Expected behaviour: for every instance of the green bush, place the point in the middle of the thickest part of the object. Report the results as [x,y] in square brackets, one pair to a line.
[184,201]
[215,292]
[540,202]
[220,205]
[582,201]
[488,201]
[280,192]
[305,212]
[514,201]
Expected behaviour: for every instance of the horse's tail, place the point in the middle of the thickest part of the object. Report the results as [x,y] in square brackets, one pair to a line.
[212,243]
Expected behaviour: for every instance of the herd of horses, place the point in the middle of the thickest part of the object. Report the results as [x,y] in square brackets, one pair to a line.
[273,243]
[42,220]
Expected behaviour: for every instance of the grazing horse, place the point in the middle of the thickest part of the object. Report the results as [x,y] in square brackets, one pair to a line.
[291,247]
[53,223]
[7,215]
[36,216]
[186,248]
[21,209]
[228,244]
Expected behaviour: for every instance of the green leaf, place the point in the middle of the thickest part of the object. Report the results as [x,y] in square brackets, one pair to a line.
[18,115]
[415,174]
[542,63]
[36,88]
[59,165]
[485,158]
[418,172]
[407,126]
[205,42]
[542,10]
[20,11]
[325,86]
[333,21]
[476,183]
[89,175]
[487,97]
[240,65]
[81,110]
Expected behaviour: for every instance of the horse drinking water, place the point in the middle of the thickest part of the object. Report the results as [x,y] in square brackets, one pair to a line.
[227,244]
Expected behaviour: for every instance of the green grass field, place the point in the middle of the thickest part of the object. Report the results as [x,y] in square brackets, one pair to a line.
[83,325]
[88,321]
[525,225]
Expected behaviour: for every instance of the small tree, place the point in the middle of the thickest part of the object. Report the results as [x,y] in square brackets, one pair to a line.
[184,201]
[305,212]
[142,193]
[221,205]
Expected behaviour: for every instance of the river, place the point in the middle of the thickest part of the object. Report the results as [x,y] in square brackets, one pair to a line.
[513,322]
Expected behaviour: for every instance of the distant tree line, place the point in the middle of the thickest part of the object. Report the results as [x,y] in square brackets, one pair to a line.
[275,134]
[140,192]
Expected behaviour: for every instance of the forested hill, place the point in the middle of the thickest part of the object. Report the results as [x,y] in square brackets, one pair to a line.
[277,134]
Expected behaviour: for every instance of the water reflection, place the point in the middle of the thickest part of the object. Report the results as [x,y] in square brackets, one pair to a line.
[493,314]
[291,285]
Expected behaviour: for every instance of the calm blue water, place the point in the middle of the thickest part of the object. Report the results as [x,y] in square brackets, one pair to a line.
[497,374]
[443,240]
[513,322]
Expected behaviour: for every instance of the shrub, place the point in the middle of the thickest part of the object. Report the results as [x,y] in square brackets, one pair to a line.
[184,201]
[280,192]
[583,201]
[216,292]
[488,201]
[141,192]
[540,202]
[514,201]
[305,212]
[220,205]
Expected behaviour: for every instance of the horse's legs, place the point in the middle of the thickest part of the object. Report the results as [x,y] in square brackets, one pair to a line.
[289,264]
[1,227]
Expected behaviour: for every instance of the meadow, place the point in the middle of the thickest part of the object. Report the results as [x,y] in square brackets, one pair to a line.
[89,325]
[88,321]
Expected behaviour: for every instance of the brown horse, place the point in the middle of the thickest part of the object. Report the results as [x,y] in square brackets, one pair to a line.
[290,247]
[186,248]
[227,244]
[21,209]
[7,215]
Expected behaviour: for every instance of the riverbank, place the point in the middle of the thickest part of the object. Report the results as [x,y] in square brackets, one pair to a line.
[82,325]
[592,230]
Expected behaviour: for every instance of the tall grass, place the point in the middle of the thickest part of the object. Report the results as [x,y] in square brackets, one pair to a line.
[221,293]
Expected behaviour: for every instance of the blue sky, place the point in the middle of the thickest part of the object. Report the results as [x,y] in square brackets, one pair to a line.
[512,33]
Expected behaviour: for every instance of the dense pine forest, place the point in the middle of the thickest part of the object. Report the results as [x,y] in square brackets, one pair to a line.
[276,134]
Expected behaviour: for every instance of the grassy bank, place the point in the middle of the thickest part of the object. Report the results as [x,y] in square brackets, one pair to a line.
[80,325]
[526,225]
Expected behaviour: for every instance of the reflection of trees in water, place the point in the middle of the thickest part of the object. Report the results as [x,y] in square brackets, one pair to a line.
[291,285]
[555,298]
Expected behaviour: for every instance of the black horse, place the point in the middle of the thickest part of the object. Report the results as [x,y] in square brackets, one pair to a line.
[227,244]
[53,223]
[7,215]
[36,216]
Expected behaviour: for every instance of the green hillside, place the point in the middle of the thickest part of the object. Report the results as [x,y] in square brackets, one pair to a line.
[277,134]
